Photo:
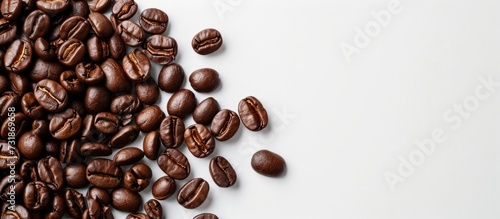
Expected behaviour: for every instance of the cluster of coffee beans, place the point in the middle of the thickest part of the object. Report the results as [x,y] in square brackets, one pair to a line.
[72,95]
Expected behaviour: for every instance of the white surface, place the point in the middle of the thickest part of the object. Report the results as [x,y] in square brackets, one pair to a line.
[342,126]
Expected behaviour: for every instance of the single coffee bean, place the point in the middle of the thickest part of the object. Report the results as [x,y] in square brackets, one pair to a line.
[71,52]
[69,151]
[171,77]
[65,124]
[124,136]
[40,127]
[97,99]
[50,172]
[46,70]
[95,149]
[31,108]
[44,50]
[115,80]
[75,203]
[9,100]
[36,24]
[222,172]
[89,73]
[207,41]
[11,187]
[131,33]
[69,81]
[79,8]
[36,196]
[99,5]
[174,164]
[98,49]
[172,132]
[18,56]
[125,200]
[252,114]
[57,207]
[15,211]
[75,27]
[147,91]
[20,84]
[124,9]
[199,140]
[127,156]
[106,122]
[151,145]
[153,21]
[100,24]
[181,103]
[104,173]
[8,33]
[126,104]
[99,194]
[30,145]
[153,209]
[206,216]
[149,118]
[28,172]
[137,177]
[161,49]
[225,124]
[163,188]
[52,7]
[193,193]
[18,120]
[268,163]
[74,175]
[11,9]
[10,155]
[206,111]
[136,66]
[117,47]
[137,216]
[204,80]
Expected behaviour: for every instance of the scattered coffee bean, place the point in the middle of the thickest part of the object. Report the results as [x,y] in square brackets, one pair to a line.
[51,95]
[36,196]
[75,203]
[147,91]
[172,132]
[268,163]
[18,56]
[193,193]
[161,49]
[153,209]
[181,103]
[199,140]
[252,114]
[207,41]
[149,118]
[131,33]
[171,77]
[153,20]
[151,145]
[74,175]
[137,177]
[124,9]
[136,66]
[174,164]
[127,156]
[224,125]
[50,172]
[123,199]
[222,172]
[206,111]
[104,173]
[163,188]
[204,80]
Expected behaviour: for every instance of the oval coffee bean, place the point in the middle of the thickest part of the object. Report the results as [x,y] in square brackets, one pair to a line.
[147,91]
[163,188]
[7,101]
[204,80]
[126,104]
[106,122]
[75,203]
[161,49]
[137,177]
[9,154]
[104,173]
[149,118]
[136,66]
[52,7]
[46,70]
[205,111]
[193,193]
[252,113]
[222,172]
[124,136]
[36,25]
[51,95]
[100,24]
[97,49]
[131,33]
[99,5]
[151,145]
[206,41]
[153,209]
[117,47]
[71,52]
[36,196]
[206,216]
[153,21]
[89,73]
[74,175]
[65,124]
[124,9]
[44,49]
[174,164]
[115,79]
[50,172]
[225,124]
[171,77]
[74,27]
[18,56]
[30,145]
[181,103]
[125,200]
[126,156]
[102,195]
[69,81]
[268,163]
[97,99]
[11,9]
[172,132]
[199,140]
[95,149]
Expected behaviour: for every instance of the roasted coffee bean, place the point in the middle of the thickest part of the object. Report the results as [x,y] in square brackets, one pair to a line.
[204,80]
[126,104]
[19,121]
[69,81]
[65,124]
[95,149]
[71,52]
[252,114]
[163,187]
[151,145]
[44,50]
[174,164]
[30,145]
[131,33]
[69,151]
[124,136]
[10,155]
[225,124]
[147,91]
[136,66]
[207,41]
[31,108]
[268,163]
[172,132]
[104,173]
[97,99]
[115,80]
[137,216]
[193,193]
[89,132]
[99,5]
[181,103]
[125,200]
[11,187]
[124,9]
[52,7]
[222,172]
[18,56]
[161,49]
[153,209]
[206,216]
[40,127]
[199,140]
[149,118]
[36,196]
[99,194]
[117,47]
[11,9]
[57,207]
[100,24]
[8,33]
[8,101]
[106,122]
[74,175]
[28,171]
[15,211]
[75,203]
[127,156]
[89,73]
[74,27]
[79,8]
[46,70]
[51,95]
[36,24]
[50,172]
[153,20]
[137,177]
[171,77]
[98,49]
[20,84]
[206,111]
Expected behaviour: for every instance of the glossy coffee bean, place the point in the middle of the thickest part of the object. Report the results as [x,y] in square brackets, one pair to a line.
[206,111]
[124,9]
[30,145]
[99,194]
[151,145]
[57,207]
[36,196]
[44,50]
[115,79]
[136,66]
[131,33]
[225,124]
[163,188]
[106,122]
[9,31]
[222,172]
[40,127]
[206,41]
[171,77]
[124,136]
[153,20]
[20,84]
[74,27]
[137,177]
[89,73]
[206,216]
[161,49]
[181,103]
[127,156]
[117,47]
[126,104]
[95,149]
[252,113]
[43,69]
[149,118]
[65,124]
[18,56]
[50,172]
[71,52]
[125,200]
[74,175]
[172,132]
[100,24]
[204,80]
[268,163]
[10,156]
[36,24]
[98,49]
[70,82]
[199,140]
[104,173]
[193,193]
[75,203]
[52,7]
[147,91]
[11,9]
[97,99]
[9,100]
[79,8]
[99,5]
[153,209]
[174,164]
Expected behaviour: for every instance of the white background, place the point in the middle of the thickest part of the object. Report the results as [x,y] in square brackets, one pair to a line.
[340,125]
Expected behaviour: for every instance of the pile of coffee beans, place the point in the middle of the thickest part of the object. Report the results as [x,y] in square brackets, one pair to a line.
[76,87]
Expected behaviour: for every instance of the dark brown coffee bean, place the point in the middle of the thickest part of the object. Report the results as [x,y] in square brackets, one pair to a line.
[36,196]
[97,99]
[98,49]
[153,209]
[11,187]
[70,82]
[19,121]
[115,80]
[28,172]
[164,187]
[69,151]
[124,9]
[117,47]
[199,140]
[44,50]
[89,73]
[206,216]
[174,164]
[161,49]
[125,200]
[99,194]
[137,177]
[50,172]
[127,156]
[207,41]
[11,9]
[153,21]
[204,80]
[20,84]
[252,114]
[106,122]
[57,207]
[99,5]
[171,77]
[31,108]
[75,176]
[172,132]
[136,66]
[71,52]
[8,33]
[79,8]
[74,27]
[75,203]
[151,145]
[8,102]
[126,104]
[95,149]
[16,211]
[147,91]
[206,111]
[149,118]
[52,7]
[131,33]
[30,145]
[65,124]
[124,136]
[181,103]
[268,163]
[104,173]
[36,24]
[193,193]
[94,209]
[18,56]
[100,24]
[225,124]
[222,172]
[10,156]
[46,70]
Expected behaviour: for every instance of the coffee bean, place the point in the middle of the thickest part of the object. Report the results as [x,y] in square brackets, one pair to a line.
[79,8]
[74,27]
[74,175]
[71,52]
[164,187]
[8,33]
[137,177]
[193,193]
[36,24]
[127,156]
[117,47]
[41,128]
[252,114]
[199,140]
[131,33]
[99,194]
[50,172]
[57,207]
[124,9]
[181,103]
[65,124]
[104,173]
[89,73]
[205,111]
[97,99]
[51,95]
[69,151]
[153,20]
[222,172]
[30,145]
[174,164]
[153,209]
[96,210]
[46,70]
[115,79]
[151,145]
[206,216]
[172,132]
[126,104]
[28,172]
[95,149]
[268,163]
[11,9]
[8,100]
[204,80]
[52,7]
[106,122]
[125,200]
[15,211]
[161,49]
[207,41]
[98,49]
[124,136]
[137,216]
[136,66]
[99,5]
[149,118]
[147,91]
[75,203]
[36,196]
[100,24]
[44,50]
[11,187]
[20,84]
[18,56]
[171,78]
[224,125]
[19,121]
